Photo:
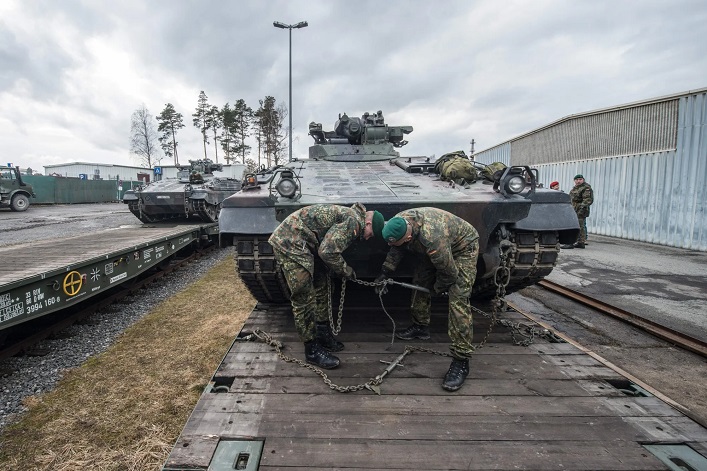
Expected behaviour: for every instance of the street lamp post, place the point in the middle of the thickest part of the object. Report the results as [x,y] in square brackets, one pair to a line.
[301,24]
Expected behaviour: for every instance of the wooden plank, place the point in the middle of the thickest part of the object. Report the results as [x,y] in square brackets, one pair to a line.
[412,427]
[365,365]
[503,348]
[431,386]
[456,455]
[427,405]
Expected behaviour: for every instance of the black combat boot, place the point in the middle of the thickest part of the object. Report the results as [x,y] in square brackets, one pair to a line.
[326,339]
[457,373]
[317,355]
[567,246]
[579,245]
[415,331]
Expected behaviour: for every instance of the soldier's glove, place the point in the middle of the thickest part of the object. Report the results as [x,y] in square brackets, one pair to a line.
[381,289]
[349,273]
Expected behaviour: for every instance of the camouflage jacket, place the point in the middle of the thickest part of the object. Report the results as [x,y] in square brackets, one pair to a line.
[326,229]
[582,197]
[440,235]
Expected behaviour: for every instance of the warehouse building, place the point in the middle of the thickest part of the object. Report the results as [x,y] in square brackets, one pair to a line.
[646,161]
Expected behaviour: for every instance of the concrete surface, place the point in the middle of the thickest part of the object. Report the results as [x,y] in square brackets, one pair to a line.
[664,284]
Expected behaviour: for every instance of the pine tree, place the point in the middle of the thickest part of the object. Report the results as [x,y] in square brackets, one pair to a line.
[243,122]
[169,123]
[214,121]
[201,119]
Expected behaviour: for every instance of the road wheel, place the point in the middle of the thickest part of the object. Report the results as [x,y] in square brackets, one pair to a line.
[20,202]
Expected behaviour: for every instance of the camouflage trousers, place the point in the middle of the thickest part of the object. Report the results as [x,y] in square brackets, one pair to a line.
[460,323]
[582,238]
[306,276]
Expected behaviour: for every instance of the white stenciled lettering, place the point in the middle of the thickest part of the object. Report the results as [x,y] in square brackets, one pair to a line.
[118,277]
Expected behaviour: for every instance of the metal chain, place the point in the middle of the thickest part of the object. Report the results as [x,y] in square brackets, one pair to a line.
[335,328]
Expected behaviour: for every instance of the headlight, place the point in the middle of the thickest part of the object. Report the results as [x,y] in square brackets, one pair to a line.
[286,187]
[515,184]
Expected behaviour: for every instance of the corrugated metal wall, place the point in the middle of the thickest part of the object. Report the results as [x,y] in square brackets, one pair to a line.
[635,130]
[658,196]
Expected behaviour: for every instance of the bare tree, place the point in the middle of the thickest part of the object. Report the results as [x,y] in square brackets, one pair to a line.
[143,137]
[281,133]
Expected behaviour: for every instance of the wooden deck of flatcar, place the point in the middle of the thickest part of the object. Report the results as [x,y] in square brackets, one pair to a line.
[41,277]
[543,407]
[34,258]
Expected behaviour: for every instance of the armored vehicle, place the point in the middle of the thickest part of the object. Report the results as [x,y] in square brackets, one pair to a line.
[13,191]
[520,224]
[196,192]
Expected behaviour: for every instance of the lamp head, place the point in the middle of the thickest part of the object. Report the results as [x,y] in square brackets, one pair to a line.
[277,24]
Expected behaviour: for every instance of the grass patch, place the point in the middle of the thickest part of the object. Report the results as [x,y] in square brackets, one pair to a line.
[125,408]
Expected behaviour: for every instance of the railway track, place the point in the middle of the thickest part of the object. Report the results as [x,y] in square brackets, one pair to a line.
[680,339]
[27,335]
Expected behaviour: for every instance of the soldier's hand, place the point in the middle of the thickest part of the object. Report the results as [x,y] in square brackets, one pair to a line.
[441,288]
[381,289]
[349,273]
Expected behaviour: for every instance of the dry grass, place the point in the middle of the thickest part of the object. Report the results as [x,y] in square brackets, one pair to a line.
[124,409]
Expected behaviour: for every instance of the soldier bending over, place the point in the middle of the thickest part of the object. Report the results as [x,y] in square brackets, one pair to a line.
[448,247]
[305,244]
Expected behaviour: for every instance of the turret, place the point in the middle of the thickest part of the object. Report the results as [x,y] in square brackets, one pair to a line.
[364,138]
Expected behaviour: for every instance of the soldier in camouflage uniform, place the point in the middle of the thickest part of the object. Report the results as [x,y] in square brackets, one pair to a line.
[306,244]
[582,197]
[447,248]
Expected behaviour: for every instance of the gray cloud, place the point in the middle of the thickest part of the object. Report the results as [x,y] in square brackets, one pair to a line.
[71,73]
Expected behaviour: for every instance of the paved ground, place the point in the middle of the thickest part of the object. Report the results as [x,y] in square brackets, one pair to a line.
[41,222]
[664,284]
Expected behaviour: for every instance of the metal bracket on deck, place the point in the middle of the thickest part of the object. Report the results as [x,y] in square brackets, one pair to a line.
[678,457]
[237,454]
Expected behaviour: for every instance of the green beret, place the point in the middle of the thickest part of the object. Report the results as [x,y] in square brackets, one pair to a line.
[579,176]
[395,229]
[377,224]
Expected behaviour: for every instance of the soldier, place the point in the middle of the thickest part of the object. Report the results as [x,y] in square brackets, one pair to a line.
[305,244]
[448,248]
[582,197]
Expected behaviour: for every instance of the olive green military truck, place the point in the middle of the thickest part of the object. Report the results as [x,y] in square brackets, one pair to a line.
[13,191]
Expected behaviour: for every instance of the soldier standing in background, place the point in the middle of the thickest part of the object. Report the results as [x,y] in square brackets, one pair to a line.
[448,248]
[582,197]
[306,244]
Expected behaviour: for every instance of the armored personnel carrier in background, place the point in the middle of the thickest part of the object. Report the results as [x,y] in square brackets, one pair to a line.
[517,220]
[195,193]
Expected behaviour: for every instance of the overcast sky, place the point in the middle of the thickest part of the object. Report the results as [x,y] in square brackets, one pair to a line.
[73,72]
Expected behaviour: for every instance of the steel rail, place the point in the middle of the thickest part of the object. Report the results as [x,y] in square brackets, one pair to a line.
[666,333]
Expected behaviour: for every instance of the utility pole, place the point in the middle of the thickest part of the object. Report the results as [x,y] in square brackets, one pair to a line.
[301,24]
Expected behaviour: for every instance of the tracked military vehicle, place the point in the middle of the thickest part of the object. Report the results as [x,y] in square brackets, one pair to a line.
[195,193]
[520,224]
